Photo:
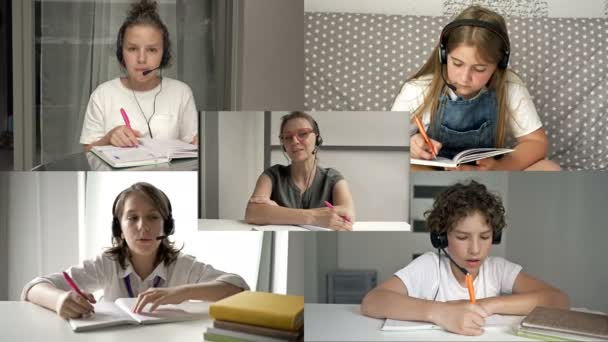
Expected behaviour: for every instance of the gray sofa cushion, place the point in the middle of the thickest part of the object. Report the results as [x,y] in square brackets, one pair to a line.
[359,62]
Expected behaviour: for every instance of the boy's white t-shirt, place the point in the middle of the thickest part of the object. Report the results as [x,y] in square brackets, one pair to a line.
[423,278]
[523,119]
[175,115]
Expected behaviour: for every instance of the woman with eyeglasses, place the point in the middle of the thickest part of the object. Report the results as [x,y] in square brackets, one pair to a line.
[301,193]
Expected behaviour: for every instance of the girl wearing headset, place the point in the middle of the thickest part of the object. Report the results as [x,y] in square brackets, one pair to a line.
[296,193]
[142,263]
[466,219]
[157,107]
[467,98]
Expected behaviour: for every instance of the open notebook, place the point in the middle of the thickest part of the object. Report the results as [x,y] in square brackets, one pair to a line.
[118,313]
[150,151]
[494,321]
[463,157]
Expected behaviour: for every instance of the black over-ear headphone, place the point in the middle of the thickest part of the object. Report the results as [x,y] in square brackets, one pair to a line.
[445,34]
[318,139]
[165,59]
[441,240]
[168,226]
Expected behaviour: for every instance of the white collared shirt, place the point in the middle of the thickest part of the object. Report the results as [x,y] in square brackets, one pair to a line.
[105,273]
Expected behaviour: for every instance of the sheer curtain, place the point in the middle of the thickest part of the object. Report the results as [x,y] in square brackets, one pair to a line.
[76,51]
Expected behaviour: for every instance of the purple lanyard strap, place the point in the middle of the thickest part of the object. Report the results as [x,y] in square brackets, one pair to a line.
[130,289]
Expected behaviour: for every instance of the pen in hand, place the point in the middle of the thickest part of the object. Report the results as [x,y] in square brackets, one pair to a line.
[74,287]
[425,136]
[329,205]
[469,281]
[125,118]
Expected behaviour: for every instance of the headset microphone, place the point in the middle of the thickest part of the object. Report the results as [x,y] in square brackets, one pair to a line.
[146,72]
[161,237]
[451,86]
[462,269]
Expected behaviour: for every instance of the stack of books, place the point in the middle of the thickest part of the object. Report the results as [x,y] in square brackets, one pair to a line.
[257,316]
[549,324]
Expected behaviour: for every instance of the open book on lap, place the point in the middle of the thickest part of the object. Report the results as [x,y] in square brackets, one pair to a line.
[150,151]
[120,312]
[463,157]
[494,321]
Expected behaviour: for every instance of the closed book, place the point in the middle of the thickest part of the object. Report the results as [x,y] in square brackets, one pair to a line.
[567,321]
[257,330]
[550,335]
[222,335]
[262,309]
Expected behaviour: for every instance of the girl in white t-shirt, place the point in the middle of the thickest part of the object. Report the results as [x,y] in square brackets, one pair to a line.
[154,107]
[466,220]
[142,263]
[476,102]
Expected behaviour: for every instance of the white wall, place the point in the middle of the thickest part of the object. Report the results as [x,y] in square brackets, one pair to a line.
[559,232]
[555,8]
[42,225]
[241,160]
[271,70]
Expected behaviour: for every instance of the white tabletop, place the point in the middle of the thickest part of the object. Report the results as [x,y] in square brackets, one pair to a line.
[229,225]
[24,321]
[344,322]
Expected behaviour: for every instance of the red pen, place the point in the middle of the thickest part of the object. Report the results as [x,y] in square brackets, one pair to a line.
[73,285]
[329,205]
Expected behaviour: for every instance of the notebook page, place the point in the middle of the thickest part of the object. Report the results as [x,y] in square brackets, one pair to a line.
[106,314]
[170,148]
[494,321]
[164,313]
[127,154]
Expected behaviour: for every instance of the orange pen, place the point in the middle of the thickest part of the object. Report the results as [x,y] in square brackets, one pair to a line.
[426,137]
[469,280]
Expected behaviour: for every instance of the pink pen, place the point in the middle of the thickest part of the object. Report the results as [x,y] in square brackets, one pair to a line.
[73,285]
[126,120]
[329,205]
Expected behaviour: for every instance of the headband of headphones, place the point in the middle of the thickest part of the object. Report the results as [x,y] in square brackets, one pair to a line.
[445,34]
[168,226]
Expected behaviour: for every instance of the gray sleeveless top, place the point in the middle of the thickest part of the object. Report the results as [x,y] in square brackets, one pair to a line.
[287,194]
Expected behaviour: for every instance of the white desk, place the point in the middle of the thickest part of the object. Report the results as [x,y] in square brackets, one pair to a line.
[231,225]
[24,321]
[344,322]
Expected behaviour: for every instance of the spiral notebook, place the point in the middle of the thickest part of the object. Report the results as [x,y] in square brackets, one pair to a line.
[120,312]
[149,151]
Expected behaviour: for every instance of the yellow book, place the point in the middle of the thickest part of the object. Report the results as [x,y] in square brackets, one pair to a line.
[262,309]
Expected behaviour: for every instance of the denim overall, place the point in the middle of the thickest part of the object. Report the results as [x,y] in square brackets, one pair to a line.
[463,124]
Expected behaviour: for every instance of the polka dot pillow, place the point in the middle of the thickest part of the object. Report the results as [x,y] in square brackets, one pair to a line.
[359,62]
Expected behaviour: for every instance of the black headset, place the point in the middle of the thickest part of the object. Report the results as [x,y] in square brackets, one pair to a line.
[318,139]
[441,240]
[165,59]
[445,34]
[168,224]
